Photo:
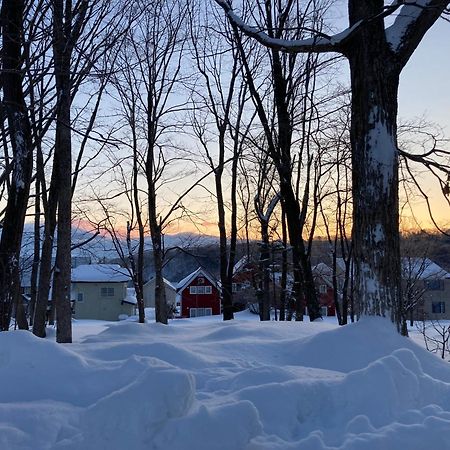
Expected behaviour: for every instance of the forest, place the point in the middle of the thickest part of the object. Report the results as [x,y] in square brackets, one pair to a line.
[270,121]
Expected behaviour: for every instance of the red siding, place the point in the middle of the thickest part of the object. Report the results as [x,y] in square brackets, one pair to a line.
[189,300]
[328,301]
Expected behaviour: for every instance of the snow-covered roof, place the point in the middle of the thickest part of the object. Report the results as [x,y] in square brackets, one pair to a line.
[186,280]
[240,264]
[325,272]
[322,269]
[166,282]
[423,269]
[131,297]
[100,273]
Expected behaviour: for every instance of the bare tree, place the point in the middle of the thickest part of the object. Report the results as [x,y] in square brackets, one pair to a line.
[436,336]
[377,52]
[148,78]
[83,38]
[12,13]
[292,90]
[223,102]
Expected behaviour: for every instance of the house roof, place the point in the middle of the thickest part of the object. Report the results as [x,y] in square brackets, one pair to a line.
[322,269]
[166,282]
[240,264]
[423,269]
[131,297]
[100,273]
[416,267]
[186,280]
[325,272]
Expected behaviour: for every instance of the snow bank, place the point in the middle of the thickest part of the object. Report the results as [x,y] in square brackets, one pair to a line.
[225,386]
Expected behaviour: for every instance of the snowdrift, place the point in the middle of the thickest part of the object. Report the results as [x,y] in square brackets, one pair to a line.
[242,385]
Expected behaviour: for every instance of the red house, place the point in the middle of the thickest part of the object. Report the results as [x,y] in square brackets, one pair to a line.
[324,286]
[198,295]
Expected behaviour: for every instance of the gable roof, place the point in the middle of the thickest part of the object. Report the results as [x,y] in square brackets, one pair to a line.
[186,280]
[166,282]
[423,269]
[100,273]
[240,264]
[416,267]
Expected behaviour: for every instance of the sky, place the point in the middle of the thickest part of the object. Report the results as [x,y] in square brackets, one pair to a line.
[424,92]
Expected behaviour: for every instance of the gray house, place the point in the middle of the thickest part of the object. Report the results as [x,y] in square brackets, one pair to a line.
[427,286]
[149,293]
[99,291]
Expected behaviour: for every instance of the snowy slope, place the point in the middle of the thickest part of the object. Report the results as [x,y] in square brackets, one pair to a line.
[203,385]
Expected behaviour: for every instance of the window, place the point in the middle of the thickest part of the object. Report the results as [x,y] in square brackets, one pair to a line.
[438,307]
[80,297]
[200,312]
[323,289]
[199,290]
[107,292]
[434,285]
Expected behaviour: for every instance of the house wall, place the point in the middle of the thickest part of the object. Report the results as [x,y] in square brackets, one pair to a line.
[189,300]
[326,300]
[243,290]
[430,296]
[98,307]
[149,294]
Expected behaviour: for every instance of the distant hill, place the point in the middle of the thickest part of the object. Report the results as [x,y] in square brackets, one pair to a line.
[187,251]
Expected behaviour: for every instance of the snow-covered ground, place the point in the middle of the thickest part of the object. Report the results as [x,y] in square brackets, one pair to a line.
[203,384]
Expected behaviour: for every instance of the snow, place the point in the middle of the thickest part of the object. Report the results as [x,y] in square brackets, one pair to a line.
[99,273]
[423,269]
[317,43]
[406,18]
[383,149]
[186,280]
[203,384]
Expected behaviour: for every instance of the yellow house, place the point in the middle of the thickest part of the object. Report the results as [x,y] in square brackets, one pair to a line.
[99,291]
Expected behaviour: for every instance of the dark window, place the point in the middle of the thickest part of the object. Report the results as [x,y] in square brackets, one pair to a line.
[107,292]
[438,307]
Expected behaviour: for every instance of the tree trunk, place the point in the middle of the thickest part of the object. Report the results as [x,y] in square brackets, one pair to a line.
[264,284]
[226,284]
[62,48]
[36,252]
[376,244]
[137,271]
[20,135]
[161,309]
[45,269]
[304,291]
[284,266]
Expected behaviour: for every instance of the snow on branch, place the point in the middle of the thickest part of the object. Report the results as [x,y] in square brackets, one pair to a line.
[409,18]
[320,43]
[273,203]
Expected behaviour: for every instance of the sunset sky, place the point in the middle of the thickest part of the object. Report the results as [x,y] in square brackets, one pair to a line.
[423,94]
[424,91]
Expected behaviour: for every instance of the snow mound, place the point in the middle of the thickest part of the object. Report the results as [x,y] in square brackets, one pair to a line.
[215,386]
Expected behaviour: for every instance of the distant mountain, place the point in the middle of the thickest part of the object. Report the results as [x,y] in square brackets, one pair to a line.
[101,247]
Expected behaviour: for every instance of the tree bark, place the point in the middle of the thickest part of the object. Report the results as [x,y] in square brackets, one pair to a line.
[376,244]
[20,134]
[264,283]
